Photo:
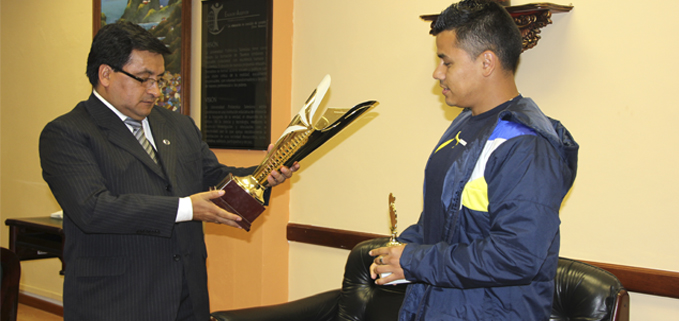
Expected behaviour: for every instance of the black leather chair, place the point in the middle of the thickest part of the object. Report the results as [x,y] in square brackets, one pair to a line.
[583,292]
[358,299]
[11,273]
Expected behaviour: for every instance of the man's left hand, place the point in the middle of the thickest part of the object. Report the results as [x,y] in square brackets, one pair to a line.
[278,177]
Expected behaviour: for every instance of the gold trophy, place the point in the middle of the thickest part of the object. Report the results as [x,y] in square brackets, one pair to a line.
[392,216]
[309,129]
[392,239]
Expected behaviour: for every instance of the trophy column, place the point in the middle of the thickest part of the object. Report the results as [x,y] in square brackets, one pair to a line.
[392,240]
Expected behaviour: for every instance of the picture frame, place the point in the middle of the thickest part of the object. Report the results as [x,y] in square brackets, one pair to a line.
[159,17]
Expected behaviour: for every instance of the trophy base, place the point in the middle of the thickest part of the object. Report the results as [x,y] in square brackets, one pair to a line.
[238,201]
[400,281]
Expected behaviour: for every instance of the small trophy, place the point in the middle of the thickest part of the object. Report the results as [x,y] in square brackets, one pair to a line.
[392,239]
[309,129]
[392,216]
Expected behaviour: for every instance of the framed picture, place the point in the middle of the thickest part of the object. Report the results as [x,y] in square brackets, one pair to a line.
[170,21]
[236,73]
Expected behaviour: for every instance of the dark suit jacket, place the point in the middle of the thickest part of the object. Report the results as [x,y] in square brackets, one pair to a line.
[125,255]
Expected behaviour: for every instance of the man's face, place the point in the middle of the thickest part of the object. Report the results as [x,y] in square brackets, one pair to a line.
[458,74]
[131,97]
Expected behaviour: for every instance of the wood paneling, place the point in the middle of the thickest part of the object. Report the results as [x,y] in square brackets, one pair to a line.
[649,281]
[326,236]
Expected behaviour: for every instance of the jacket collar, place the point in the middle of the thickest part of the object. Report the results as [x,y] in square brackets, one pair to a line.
[118,134]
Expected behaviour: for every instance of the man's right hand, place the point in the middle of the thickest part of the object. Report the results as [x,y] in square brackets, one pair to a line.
[206,211]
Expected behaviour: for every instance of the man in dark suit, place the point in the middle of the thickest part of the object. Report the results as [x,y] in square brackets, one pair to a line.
[131,179]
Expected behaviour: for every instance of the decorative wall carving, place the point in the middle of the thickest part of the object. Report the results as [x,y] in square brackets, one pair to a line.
[530,18]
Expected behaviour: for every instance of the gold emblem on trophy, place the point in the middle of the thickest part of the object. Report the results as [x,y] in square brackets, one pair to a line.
[308,130]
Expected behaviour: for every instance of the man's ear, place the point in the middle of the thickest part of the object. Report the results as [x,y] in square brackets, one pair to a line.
[490,62]
[105,72]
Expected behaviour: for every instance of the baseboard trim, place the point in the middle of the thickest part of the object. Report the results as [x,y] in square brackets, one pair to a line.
[41,304]
[635,279]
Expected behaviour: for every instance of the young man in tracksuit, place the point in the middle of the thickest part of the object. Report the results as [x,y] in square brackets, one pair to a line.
[486,245]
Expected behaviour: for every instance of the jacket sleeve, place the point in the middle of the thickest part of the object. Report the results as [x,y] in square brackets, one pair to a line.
[413,234]
[525,179]
[75,172]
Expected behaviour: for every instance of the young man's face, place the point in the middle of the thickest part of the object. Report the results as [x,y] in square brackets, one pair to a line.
[129,96]
[458,74]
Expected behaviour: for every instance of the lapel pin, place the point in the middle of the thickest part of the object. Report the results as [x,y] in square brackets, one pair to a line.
[166,142]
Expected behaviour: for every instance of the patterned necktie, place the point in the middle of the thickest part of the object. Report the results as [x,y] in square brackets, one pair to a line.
[138,131]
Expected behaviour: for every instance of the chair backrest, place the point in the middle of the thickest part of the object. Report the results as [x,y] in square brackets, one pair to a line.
[361,298]
[11,272]
[586,292]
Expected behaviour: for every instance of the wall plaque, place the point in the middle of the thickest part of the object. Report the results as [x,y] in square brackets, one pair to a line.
[236,73]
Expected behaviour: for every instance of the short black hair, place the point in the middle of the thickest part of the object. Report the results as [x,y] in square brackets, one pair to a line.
[113,46]
[481,25]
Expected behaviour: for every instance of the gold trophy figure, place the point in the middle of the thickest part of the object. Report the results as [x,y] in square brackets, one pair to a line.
[392,216]
[392,240]
[309,129]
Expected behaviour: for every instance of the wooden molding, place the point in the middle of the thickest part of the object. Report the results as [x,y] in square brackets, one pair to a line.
[41,304]
[649,281]
[634,279]
[341,239]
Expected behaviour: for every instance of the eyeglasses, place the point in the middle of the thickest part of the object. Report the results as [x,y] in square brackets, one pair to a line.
[148,82]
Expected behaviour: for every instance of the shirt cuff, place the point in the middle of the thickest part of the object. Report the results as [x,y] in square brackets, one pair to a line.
[185,210]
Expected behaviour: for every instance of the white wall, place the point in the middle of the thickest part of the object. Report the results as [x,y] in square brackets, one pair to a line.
[606,70]
[44,50]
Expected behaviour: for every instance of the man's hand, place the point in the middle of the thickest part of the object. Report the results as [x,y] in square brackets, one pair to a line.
[206,211]
[387,260]
[277,177]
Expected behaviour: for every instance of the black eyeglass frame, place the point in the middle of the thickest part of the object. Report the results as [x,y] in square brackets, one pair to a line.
[148,82]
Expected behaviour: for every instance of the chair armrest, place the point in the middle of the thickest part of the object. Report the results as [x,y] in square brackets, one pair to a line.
[318,307]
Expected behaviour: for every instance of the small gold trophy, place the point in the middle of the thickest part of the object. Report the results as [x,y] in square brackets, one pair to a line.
[309,129]
[392,216]
[392,240]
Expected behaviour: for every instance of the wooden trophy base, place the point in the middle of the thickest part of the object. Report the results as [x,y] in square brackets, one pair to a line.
[238,201]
